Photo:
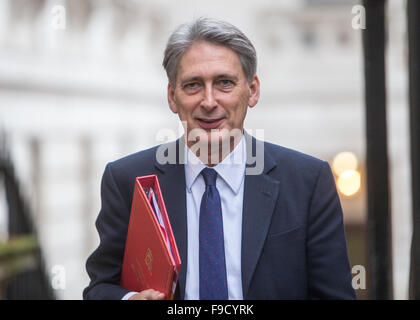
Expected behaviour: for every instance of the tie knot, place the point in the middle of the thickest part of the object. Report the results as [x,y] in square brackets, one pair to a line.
[209,176]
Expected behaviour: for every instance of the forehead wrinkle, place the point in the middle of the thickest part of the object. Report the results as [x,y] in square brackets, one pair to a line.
[201,57]
[207,70]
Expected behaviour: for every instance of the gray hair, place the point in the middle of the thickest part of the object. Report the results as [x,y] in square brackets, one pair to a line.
[214,31]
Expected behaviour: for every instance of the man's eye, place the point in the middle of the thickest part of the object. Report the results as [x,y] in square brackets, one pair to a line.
[191,85]
[225,83]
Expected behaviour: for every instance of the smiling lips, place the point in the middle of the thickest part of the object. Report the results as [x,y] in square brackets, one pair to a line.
[209,123]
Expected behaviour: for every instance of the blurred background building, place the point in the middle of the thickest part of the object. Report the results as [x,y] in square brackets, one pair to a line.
[81,84]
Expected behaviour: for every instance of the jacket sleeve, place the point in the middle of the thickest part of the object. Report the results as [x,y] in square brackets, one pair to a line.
[329,274]
[105,263]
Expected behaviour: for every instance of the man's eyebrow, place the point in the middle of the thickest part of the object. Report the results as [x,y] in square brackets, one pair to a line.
[228,76]
[220,76]
[189,79]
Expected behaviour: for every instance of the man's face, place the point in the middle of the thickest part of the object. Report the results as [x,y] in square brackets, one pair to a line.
[211,91]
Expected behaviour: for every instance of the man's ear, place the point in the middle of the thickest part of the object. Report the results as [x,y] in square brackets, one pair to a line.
[254,88]
[171,99]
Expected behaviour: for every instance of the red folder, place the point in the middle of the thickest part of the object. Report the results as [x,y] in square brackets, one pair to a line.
[151,258]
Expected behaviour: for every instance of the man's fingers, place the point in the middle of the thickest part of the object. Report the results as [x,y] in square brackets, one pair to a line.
[148,294]
[155,295]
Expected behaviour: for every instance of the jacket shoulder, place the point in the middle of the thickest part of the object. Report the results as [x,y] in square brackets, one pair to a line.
[145,158]
[292,158]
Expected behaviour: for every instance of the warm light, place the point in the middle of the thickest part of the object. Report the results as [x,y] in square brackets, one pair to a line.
[349,182]
[344,161]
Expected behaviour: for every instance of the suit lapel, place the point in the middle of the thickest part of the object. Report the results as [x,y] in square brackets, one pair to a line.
[260,195]
[172,183]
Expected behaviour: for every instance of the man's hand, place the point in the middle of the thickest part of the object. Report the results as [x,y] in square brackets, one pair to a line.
[148,294]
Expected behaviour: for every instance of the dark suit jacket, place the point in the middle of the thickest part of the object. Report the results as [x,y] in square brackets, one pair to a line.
[293,243]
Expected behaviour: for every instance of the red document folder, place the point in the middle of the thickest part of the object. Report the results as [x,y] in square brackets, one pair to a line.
[149,263]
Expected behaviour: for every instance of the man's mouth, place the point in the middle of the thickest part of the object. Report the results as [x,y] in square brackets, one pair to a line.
[209,123]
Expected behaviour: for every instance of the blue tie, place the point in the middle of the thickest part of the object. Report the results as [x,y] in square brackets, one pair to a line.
[213,280]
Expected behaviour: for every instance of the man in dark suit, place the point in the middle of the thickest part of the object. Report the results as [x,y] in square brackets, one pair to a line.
[252,220]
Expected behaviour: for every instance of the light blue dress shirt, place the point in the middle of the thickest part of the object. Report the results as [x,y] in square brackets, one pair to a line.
[230,184]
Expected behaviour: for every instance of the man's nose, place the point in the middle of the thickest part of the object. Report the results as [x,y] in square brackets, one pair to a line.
[209,100]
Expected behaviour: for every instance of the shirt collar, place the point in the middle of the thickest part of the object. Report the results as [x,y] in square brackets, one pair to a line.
[231,169]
